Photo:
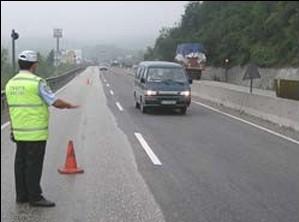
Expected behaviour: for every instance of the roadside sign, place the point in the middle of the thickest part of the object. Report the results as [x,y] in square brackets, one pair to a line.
[252,72]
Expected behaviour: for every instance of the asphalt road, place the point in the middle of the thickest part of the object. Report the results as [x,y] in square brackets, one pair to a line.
[213,168]
[111,188]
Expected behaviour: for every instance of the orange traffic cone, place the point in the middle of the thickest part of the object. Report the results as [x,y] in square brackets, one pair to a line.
[70,166]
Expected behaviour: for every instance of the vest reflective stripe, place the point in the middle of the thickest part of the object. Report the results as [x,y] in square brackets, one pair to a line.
[25,79]
[28,130]
[28,112]
[25,105]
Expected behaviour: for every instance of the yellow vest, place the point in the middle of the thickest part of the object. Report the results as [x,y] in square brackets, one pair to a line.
[29,114]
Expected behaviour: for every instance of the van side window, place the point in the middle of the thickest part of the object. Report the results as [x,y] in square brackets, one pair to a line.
[138,72]
[144,73]
[141,73]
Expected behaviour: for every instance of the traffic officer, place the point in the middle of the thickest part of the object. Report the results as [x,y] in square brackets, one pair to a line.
[28,97]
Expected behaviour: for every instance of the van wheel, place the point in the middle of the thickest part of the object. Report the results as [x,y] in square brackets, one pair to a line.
[183,110]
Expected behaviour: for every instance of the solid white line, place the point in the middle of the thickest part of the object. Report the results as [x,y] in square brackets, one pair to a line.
[119,106]
[107,84]
[4,125]
[148,150]
[247,122]
[111,92]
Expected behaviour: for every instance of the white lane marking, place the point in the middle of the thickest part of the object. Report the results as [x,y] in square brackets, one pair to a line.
[247,122]
[111,92]
[147,149]
[107,84]
[119,106]
[105,80]
[4,125]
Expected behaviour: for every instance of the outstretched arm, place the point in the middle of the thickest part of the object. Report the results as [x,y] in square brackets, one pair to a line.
[50,98]
[61,104]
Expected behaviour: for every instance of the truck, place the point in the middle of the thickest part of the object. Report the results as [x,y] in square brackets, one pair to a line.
[193,57]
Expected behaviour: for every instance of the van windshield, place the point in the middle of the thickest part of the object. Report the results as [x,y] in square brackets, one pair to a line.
[166,74]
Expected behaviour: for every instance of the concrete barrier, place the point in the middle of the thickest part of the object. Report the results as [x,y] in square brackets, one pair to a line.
[261,103]
[265,105]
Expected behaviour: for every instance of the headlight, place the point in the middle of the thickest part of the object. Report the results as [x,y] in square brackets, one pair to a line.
[185,93]
[151,93]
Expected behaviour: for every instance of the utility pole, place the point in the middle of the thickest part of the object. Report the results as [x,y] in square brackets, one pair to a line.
[57,34]
[14,36]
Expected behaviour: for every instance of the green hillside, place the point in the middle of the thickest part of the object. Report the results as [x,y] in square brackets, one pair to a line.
[266,33]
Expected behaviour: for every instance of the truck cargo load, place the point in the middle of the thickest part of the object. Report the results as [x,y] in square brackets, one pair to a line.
[192,57]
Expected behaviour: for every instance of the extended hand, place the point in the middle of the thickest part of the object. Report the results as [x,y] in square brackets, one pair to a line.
[73,106]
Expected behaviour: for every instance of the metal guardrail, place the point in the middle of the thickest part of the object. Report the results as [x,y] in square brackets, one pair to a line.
[55,83]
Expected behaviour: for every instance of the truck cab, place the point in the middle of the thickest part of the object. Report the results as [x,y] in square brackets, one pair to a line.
[192,57]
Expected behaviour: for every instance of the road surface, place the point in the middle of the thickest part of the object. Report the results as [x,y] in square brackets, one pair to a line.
[161,166]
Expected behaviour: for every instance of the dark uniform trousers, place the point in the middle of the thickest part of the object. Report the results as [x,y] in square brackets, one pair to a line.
[28,169]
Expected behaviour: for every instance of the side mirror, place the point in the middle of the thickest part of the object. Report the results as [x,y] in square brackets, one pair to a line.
[142,80]
[190,81]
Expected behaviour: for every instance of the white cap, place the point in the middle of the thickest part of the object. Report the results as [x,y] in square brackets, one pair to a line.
[28,55]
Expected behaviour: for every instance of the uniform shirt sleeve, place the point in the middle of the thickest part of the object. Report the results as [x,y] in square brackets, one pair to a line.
[46,93]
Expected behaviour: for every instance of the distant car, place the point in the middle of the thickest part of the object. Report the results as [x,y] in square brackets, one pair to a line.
[162,84]
[115,63]
[103,68]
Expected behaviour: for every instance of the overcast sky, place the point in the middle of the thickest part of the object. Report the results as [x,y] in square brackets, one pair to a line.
[89,22]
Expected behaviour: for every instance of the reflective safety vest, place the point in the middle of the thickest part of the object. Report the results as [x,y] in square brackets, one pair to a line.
[29,114]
